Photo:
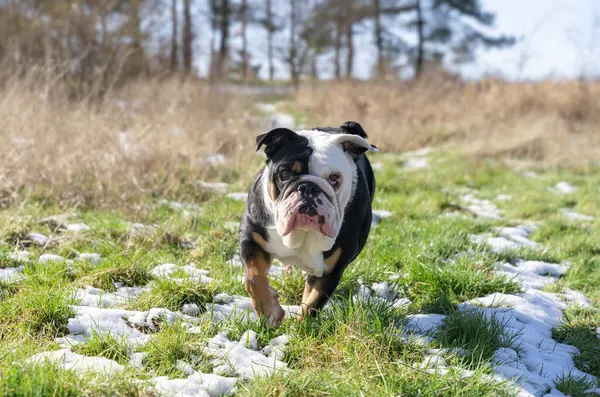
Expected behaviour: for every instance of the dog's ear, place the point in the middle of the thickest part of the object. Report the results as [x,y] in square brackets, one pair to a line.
[353,128]
[354,145]
[274,139]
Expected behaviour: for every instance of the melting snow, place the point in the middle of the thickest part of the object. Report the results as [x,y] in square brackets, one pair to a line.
[11,273]
[564,188]
[511,238]
[77,227]
[238,196]
[192,272]
[576,216]
[198,384]
[76,362]
[233,358]
[481,208]
[219,187]
[96,297]
[92,257]
[38,239]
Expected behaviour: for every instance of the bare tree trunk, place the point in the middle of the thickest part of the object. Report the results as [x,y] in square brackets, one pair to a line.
[138,62]
[213,34]
[338,50]
[293,50]
[420,50]
[379,38]
[224,46]
[174,51]
[270,32]
[314,70]
[350,50]
[187,36]
[244,20]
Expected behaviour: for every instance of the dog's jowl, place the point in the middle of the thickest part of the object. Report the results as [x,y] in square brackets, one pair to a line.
[310,206]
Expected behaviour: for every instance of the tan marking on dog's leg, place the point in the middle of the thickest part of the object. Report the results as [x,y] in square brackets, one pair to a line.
[258,239]
[312,293]
[297,167]
[264,298]
[332,260]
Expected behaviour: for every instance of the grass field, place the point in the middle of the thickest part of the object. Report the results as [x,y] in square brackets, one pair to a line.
[467,285]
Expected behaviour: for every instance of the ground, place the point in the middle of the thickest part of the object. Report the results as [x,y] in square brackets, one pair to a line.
[480,278]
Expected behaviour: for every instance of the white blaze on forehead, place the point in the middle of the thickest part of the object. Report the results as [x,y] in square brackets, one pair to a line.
[328,157]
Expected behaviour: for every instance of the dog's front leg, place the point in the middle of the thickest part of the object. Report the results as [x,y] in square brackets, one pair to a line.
[256,270]
[318,290]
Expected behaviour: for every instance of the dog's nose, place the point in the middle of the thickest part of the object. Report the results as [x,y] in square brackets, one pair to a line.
[308,189]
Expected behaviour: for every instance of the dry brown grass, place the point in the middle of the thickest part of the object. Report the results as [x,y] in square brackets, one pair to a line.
[151,136]
[556,123]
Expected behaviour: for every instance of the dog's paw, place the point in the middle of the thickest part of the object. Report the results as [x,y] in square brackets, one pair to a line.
[275,318]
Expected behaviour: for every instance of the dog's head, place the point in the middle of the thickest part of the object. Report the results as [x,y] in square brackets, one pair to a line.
[309,180]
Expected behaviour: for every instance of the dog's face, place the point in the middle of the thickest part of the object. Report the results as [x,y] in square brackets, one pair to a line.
[308,181]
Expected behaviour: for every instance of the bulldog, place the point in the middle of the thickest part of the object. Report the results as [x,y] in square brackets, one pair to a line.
[310,206]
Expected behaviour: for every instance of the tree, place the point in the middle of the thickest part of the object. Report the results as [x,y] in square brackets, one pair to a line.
[452,28]
[271,24]
[174,38]
[224,27]
[188,37]
[243,16]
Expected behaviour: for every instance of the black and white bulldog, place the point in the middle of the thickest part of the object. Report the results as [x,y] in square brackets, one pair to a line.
[310,206]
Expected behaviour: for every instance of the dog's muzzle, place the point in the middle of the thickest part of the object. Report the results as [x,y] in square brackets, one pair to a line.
[306,208]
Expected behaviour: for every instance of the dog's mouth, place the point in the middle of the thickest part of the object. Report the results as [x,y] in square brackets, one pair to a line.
[306,214]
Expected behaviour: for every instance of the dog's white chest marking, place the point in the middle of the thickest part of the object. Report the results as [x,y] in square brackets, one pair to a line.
[307,254]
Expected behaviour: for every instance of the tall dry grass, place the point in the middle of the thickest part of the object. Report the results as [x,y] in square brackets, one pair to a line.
[556,123]
[150,137]
[153,137]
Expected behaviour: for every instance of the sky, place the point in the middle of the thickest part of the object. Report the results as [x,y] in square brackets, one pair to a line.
[558,39]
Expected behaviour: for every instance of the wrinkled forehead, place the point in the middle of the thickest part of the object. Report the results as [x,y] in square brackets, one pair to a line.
[327,155]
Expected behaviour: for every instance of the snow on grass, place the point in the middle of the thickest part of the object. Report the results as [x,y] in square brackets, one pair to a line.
[192,272]
[238,196]
[576,216]
[233,358]
[564,188]
[509,239]
[68,360]
[481,208]
[11,273]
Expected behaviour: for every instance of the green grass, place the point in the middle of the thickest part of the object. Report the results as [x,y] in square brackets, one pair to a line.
[352,348]
[578,328]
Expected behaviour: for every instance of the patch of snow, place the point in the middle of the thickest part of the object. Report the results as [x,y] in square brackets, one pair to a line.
[92,257]
[20,256]
[198,384]
[424,323]
[231,226]
[123,325]
[530,174]
[564,188]
[250,340]
[219,187]
[576,216]
[504,197]
[77,227]
[192,272]
[575,298]
[11,273]
[533,274]
[238,196]
[480,208]
[96,297]
[384,291]
[378,216]
[415,163]
[235,261]
[232,358]
[511,238]
[530,317]
[191,309]
[69,360]
[52,258]
[266,107]
[38,239]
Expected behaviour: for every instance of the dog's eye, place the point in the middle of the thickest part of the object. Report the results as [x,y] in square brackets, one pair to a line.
[284,175]
[334,179]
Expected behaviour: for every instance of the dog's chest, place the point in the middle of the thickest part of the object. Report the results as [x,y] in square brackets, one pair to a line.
[307,256]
